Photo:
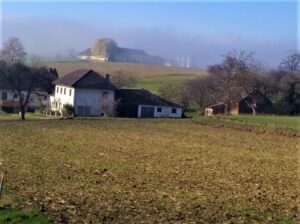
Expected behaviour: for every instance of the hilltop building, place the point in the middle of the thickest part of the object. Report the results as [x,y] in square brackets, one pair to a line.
[107,50]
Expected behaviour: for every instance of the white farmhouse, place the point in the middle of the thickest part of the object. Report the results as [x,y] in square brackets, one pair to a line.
[89,93]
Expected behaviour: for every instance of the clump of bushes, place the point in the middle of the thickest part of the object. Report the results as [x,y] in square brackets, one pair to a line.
[68,111]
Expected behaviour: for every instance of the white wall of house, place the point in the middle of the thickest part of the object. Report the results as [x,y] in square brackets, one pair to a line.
[63,95]
[163,111]
[100,101]
[86,102]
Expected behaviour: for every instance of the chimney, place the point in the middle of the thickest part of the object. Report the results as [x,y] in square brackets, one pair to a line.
[107,77]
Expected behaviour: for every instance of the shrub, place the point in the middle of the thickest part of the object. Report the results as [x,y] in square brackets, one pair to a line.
[68,111]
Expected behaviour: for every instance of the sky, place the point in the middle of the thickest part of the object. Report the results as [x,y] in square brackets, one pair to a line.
[200,30]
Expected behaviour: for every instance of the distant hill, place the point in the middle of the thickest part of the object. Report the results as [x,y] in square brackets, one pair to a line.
[107,49]
[136,70]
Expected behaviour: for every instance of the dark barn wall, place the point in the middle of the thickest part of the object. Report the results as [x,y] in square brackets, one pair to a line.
[263,106]
[219,109]
[232,108]
[10,109]
[124,110]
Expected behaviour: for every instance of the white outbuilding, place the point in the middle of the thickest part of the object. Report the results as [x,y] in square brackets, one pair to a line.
[143,104]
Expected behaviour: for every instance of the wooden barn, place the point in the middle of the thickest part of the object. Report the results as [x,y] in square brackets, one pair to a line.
[262,105]
[219,108]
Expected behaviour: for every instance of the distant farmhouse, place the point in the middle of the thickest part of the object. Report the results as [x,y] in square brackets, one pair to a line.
[9,101]
[91,94]
[107,50]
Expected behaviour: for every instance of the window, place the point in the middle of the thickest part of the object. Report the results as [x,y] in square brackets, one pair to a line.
[57,89]
[65,91]
[105,95]
[4,95]
[158,109]
[174,111]
[70,92]
[15,96]
[61,89]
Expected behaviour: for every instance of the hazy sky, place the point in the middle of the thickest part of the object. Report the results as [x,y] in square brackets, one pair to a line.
[200,30]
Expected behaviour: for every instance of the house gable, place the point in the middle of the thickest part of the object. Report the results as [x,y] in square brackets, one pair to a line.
[87,79]
[92,80]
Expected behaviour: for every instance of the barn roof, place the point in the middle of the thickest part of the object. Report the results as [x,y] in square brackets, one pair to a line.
[216,105]
[86,52]
[131,51]
[84,78]
[142,97]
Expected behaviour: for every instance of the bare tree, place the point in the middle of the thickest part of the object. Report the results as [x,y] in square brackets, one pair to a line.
[225,76]
[236,78]
[34,61]
[17,76]
[291,64]
[25,81]
[201,91]
[289,82]
[105,48]
[121,78]
[250,79]
[13,51]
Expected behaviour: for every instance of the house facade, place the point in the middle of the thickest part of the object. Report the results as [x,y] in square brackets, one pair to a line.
[89,93]
[9,100]
[143,104]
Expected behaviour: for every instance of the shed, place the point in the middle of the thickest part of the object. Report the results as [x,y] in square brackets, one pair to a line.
[143,104]
[219,108]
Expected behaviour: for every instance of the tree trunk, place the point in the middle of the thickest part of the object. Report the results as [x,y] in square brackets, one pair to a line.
[22,107]
[225,109]
[253,110]
[23,104]
[252,105]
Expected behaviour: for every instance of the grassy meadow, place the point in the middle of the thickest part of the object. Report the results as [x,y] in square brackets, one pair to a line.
[150,77]
[154,83]
[285,122]
[136,70]
[151,171]
[262,121]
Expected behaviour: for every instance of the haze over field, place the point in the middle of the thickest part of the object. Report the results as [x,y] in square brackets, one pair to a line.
[200,31]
